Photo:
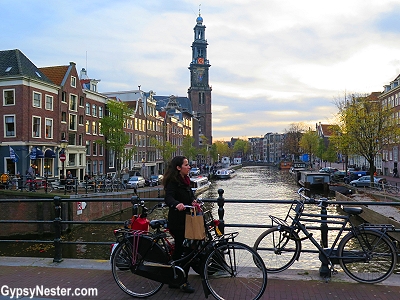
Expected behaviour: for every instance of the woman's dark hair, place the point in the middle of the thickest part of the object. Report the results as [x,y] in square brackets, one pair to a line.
[172,173]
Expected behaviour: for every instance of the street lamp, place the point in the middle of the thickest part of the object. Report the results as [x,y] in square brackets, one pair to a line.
[63,145]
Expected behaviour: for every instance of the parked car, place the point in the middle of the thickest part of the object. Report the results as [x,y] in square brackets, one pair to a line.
[194,172]
[329,170]
[156,180]
[366,180]
[338,175]
[353,175]
[136,182]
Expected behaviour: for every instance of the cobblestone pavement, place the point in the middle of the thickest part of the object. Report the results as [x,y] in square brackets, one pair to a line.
[74,273]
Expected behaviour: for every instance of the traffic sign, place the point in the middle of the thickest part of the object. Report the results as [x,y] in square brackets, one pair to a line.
[63,157]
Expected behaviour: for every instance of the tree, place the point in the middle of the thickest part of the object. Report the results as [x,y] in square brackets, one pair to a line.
[368,126]
[222,149]
[112,127]
[291,143]
[310,142]
[187,147]
[166,148]
[241,146]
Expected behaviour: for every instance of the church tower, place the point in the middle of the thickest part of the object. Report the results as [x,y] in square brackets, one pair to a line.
[199,92]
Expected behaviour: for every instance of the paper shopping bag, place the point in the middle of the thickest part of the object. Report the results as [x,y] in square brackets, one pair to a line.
[194,226]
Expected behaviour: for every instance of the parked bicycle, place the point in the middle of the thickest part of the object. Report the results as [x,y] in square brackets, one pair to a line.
[142,263]
[366,253]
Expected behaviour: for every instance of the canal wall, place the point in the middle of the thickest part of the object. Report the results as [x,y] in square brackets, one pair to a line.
[44,211]
[375,214]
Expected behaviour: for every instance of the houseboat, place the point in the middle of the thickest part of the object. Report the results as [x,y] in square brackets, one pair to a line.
[296,168]
[199,184]
[314,179]
[285,165]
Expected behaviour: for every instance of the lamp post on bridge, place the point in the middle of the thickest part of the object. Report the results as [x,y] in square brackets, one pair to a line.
[62,156]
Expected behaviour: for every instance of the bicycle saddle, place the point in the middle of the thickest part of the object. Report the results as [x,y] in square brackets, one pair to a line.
[353,210]
[158,223]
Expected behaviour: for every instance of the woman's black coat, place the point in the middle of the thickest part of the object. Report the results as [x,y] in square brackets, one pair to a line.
[175,193]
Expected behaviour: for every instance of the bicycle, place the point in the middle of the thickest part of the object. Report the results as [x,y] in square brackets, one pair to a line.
[142,262]
[366,253]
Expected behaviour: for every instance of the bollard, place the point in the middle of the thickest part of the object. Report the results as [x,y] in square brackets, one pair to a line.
[221,212]
[57,230]
[324,270]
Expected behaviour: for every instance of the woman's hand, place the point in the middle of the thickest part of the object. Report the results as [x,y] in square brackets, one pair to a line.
[180,207]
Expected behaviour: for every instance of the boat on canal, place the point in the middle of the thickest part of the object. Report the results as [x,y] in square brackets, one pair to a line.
[225,173]
[199,184]
[314,179]
[296,168]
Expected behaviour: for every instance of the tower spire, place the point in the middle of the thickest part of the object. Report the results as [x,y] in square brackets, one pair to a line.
[199,10]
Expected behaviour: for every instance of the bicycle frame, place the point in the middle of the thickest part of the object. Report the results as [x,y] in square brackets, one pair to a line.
[328,255]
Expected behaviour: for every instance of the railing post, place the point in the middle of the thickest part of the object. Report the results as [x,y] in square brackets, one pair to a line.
[134,201]
[57,230]
[221,212]
[324,270]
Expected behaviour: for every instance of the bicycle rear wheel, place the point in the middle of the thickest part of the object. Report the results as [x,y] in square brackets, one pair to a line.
[277,249]
[122,269]
[369,257]
[235,270]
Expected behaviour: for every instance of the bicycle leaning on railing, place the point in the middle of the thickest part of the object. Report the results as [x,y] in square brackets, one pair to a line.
[366,253]
[142,263]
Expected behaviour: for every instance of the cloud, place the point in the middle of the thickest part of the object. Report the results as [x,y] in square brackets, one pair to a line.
[273,62]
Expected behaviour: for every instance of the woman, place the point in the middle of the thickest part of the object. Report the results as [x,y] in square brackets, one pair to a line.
[178,193]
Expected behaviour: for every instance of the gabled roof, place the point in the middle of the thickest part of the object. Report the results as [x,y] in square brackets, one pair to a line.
[183,102]
[15,63]
[56,74]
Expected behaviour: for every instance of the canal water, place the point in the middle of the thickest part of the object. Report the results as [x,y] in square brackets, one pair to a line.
[267,183]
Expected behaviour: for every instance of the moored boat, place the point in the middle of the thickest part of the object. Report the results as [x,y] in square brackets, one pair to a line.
[314,179]
[296,168]
[199,184]
[284,165]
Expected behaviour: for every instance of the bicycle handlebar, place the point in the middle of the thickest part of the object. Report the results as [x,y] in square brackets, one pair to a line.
[322,202]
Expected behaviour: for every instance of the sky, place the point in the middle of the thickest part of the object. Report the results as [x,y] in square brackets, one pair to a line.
[273,62]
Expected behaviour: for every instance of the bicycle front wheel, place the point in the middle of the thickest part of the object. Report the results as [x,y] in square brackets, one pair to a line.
[235,270]
[368,257]
[123,272]
[277,248]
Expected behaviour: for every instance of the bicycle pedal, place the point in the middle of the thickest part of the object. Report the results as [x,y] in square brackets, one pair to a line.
[334,272]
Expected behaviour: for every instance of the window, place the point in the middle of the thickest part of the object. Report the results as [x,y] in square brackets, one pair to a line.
[64,97]
[101,150]
[8,97]
[73,102]
[87,109]
[101,167]
[94,167]
[49,102]
[63,117]
[94,128]
[80,140]
[94,148]
[81,101]
[37,99]
[73,81]
[72,122]
[49,128]
[9,125]
[80,119]
[87,147]
[35,126]
[87,126]
[100,112]
[94,110]
[71,138]
[100,132]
